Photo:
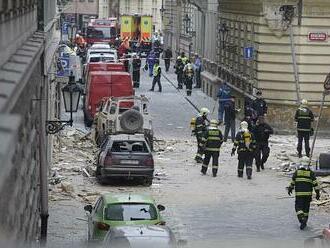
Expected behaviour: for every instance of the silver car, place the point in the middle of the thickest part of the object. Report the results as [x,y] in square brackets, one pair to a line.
[140,237]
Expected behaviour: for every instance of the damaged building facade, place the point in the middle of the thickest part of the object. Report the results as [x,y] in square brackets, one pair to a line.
[280,47]
[26,83]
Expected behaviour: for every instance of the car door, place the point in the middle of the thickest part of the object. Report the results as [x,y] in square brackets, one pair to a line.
[91,219]
[97,217]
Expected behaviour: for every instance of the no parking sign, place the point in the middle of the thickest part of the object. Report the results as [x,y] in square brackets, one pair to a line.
[64,67]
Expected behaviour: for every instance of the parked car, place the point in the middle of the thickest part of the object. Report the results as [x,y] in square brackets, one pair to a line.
[96,66]
[92,50]
[123,115]
[125,156]
[101,57]
[102,84]
[140,237]
[112,210]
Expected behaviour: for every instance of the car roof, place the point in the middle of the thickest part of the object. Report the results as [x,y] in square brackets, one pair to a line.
[127,198]
[141,230]
[101,55]
[100,45]
[107,73]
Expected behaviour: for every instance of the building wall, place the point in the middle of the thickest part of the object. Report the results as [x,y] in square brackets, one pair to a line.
[25,73]
[144,7]
[258,24]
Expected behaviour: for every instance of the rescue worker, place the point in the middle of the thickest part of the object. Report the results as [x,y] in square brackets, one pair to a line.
[184,58]
[224,96]
[259,105]
[157,71]
[230,119]
[250,115]
[188,71]
[179,66]
[304,118]
[151,59]
[303,182]
[245,144]
[80,41]
[199,131]
[262,131]
[167,56]
[136,65]
[212,142]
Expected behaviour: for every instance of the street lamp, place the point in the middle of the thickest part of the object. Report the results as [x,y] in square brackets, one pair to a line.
[71,95]
[223,31]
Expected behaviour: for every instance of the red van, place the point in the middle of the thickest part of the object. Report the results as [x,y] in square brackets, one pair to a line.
[102,84]
[96,66]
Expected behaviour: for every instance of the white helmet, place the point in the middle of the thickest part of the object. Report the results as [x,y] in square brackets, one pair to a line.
[204,111]
[244,126]
[214,123]
[304,102]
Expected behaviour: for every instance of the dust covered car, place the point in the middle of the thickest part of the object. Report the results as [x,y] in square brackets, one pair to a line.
[117,115]
[125,156]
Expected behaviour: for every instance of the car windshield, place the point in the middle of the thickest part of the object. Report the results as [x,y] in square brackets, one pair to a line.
[101,32]
[140,242]
[129,146]
[103,59]
[130,212]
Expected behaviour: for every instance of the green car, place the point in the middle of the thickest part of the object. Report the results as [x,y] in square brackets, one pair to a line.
[111,210]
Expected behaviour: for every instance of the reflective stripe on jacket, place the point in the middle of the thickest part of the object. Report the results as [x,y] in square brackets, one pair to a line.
[303,181]
[304,118]
[213,139]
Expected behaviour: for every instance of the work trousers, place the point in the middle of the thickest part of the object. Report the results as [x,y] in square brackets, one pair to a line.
[245,159]
[151,68]
[180,79]
[302,208]
[154,81]
[303,135]
[215,161]
[136,78]
[167,64]
[221,110]
[230,125]
[200,150]
[198,78]
[261,155]
[189,82]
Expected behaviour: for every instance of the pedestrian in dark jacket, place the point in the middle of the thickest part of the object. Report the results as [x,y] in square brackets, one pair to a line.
[230,118]
[167,58]
[136,64]
[261,132]
[224,96]
[260,105]
[304,118]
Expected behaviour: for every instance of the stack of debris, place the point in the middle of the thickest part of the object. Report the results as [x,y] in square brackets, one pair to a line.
[324,202]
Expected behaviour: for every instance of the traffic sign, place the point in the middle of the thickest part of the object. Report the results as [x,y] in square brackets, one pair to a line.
[64,67]
[248,53]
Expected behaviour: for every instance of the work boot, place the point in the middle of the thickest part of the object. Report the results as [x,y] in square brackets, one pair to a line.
[303,225]
[299,155]
[249,177]
[258,169]
[215,172]
[151,90]
[203,170]
[262,166]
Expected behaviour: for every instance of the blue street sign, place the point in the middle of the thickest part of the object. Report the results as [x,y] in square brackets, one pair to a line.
[248,53]
[65,29]
[64,70]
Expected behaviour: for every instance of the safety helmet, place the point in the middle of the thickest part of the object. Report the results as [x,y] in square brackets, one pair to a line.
[259,92]
[214,123]
[304,102]
[204,111]
[244,126]
[304,162]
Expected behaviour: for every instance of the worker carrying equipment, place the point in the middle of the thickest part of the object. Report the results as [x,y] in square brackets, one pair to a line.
[188,71]
[212,142]
[199,131]
[245,144]
[303,182]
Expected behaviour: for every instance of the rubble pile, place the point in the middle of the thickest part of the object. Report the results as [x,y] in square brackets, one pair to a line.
[324,202]
[73,154]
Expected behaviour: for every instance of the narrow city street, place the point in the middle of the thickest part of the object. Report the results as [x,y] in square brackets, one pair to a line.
[225,211]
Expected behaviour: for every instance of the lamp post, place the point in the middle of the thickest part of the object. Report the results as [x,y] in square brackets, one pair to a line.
[187,22]
[223,31]
[71,95]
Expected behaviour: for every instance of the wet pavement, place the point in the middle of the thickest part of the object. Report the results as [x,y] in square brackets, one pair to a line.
[225,211]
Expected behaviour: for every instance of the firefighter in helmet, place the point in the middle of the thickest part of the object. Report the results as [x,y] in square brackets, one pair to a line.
[188,71]
[199,128]
[212,142]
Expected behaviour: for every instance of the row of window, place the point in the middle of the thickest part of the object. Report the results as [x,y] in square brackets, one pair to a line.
[6,5]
